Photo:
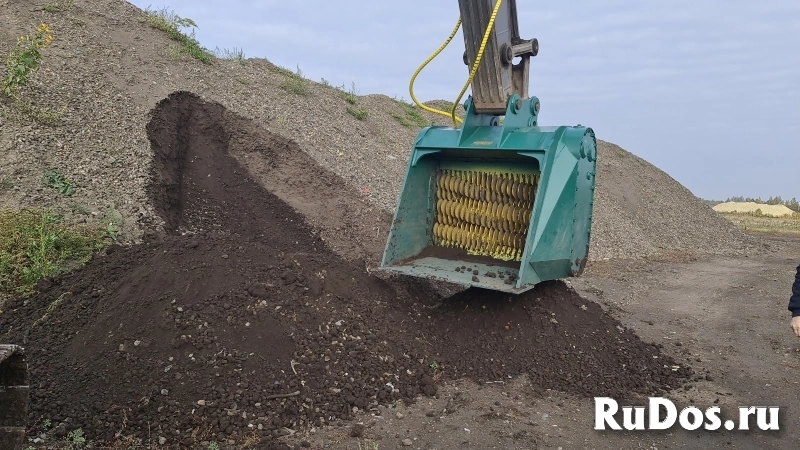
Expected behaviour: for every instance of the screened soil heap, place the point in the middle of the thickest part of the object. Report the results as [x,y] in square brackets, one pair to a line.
[241,320]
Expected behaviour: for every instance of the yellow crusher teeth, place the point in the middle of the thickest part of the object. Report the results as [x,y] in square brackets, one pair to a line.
[484,213]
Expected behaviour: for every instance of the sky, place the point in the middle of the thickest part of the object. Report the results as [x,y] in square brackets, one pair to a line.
[708,91]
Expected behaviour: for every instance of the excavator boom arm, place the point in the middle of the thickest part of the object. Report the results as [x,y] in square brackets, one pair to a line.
[497,77]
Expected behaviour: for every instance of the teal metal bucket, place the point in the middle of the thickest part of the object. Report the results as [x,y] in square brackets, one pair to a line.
[496,206]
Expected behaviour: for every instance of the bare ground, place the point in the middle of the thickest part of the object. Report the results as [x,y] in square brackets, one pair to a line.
[726,316]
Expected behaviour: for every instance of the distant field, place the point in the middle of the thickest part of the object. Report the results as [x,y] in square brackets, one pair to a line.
[749,222]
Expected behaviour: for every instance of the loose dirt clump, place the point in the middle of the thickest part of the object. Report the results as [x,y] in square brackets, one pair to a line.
[562,341]
[241,322]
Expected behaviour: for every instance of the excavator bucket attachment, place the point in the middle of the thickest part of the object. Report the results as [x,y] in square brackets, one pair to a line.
[14,397]
[496,206]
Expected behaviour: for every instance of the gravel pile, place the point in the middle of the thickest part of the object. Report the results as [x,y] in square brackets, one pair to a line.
[106,49]
[641,211]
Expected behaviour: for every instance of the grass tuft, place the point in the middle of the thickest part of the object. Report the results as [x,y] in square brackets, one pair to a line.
[410,115]
[358,113]
[235,54]
[295,83]
[167,21]
[41,114]
[38,244]
[349,96]
[59,182]
[58,6]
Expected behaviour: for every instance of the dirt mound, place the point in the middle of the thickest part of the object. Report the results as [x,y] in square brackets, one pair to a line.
[243,322]
[641,211]
[561,340]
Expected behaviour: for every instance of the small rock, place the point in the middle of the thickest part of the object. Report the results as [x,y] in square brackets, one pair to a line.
[164,391]
[407,442]
[357,430]
[162,440]
[201,403]
[60,431]
[400,415]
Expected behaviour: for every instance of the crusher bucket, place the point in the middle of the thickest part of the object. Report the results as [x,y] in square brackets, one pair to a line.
[499,207]
[499,202]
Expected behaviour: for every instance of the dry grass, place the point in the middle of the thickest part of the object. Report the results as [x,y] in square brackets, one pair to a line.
[762,224]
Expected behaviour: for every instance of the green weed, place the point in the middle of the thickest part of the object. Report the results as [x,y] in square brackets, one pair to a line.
[112,224]
[77,441]
[274,68]
[294,83]
[401,119]
[59,182]
[233,55]
[38,244]
[58,6]
[349,96]
[360,113]
[25,58]
[416,117]
[172,24]
[411,116]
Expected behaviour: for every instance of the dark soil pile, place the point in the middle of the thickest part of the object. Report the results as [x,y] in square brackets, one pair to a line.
[559,339]
[241,321]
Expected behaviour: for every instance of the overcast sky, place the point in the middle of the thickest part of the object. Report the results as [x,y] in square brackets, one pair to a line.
[707,90]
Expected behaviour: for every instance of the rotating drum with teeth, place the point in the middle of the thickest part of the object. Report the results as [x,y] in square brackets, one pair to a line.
[500,207]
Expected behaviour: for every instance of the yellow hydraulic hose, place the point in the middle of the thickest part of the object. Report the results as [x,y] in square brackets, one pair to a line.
[419,69]
[474,70]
